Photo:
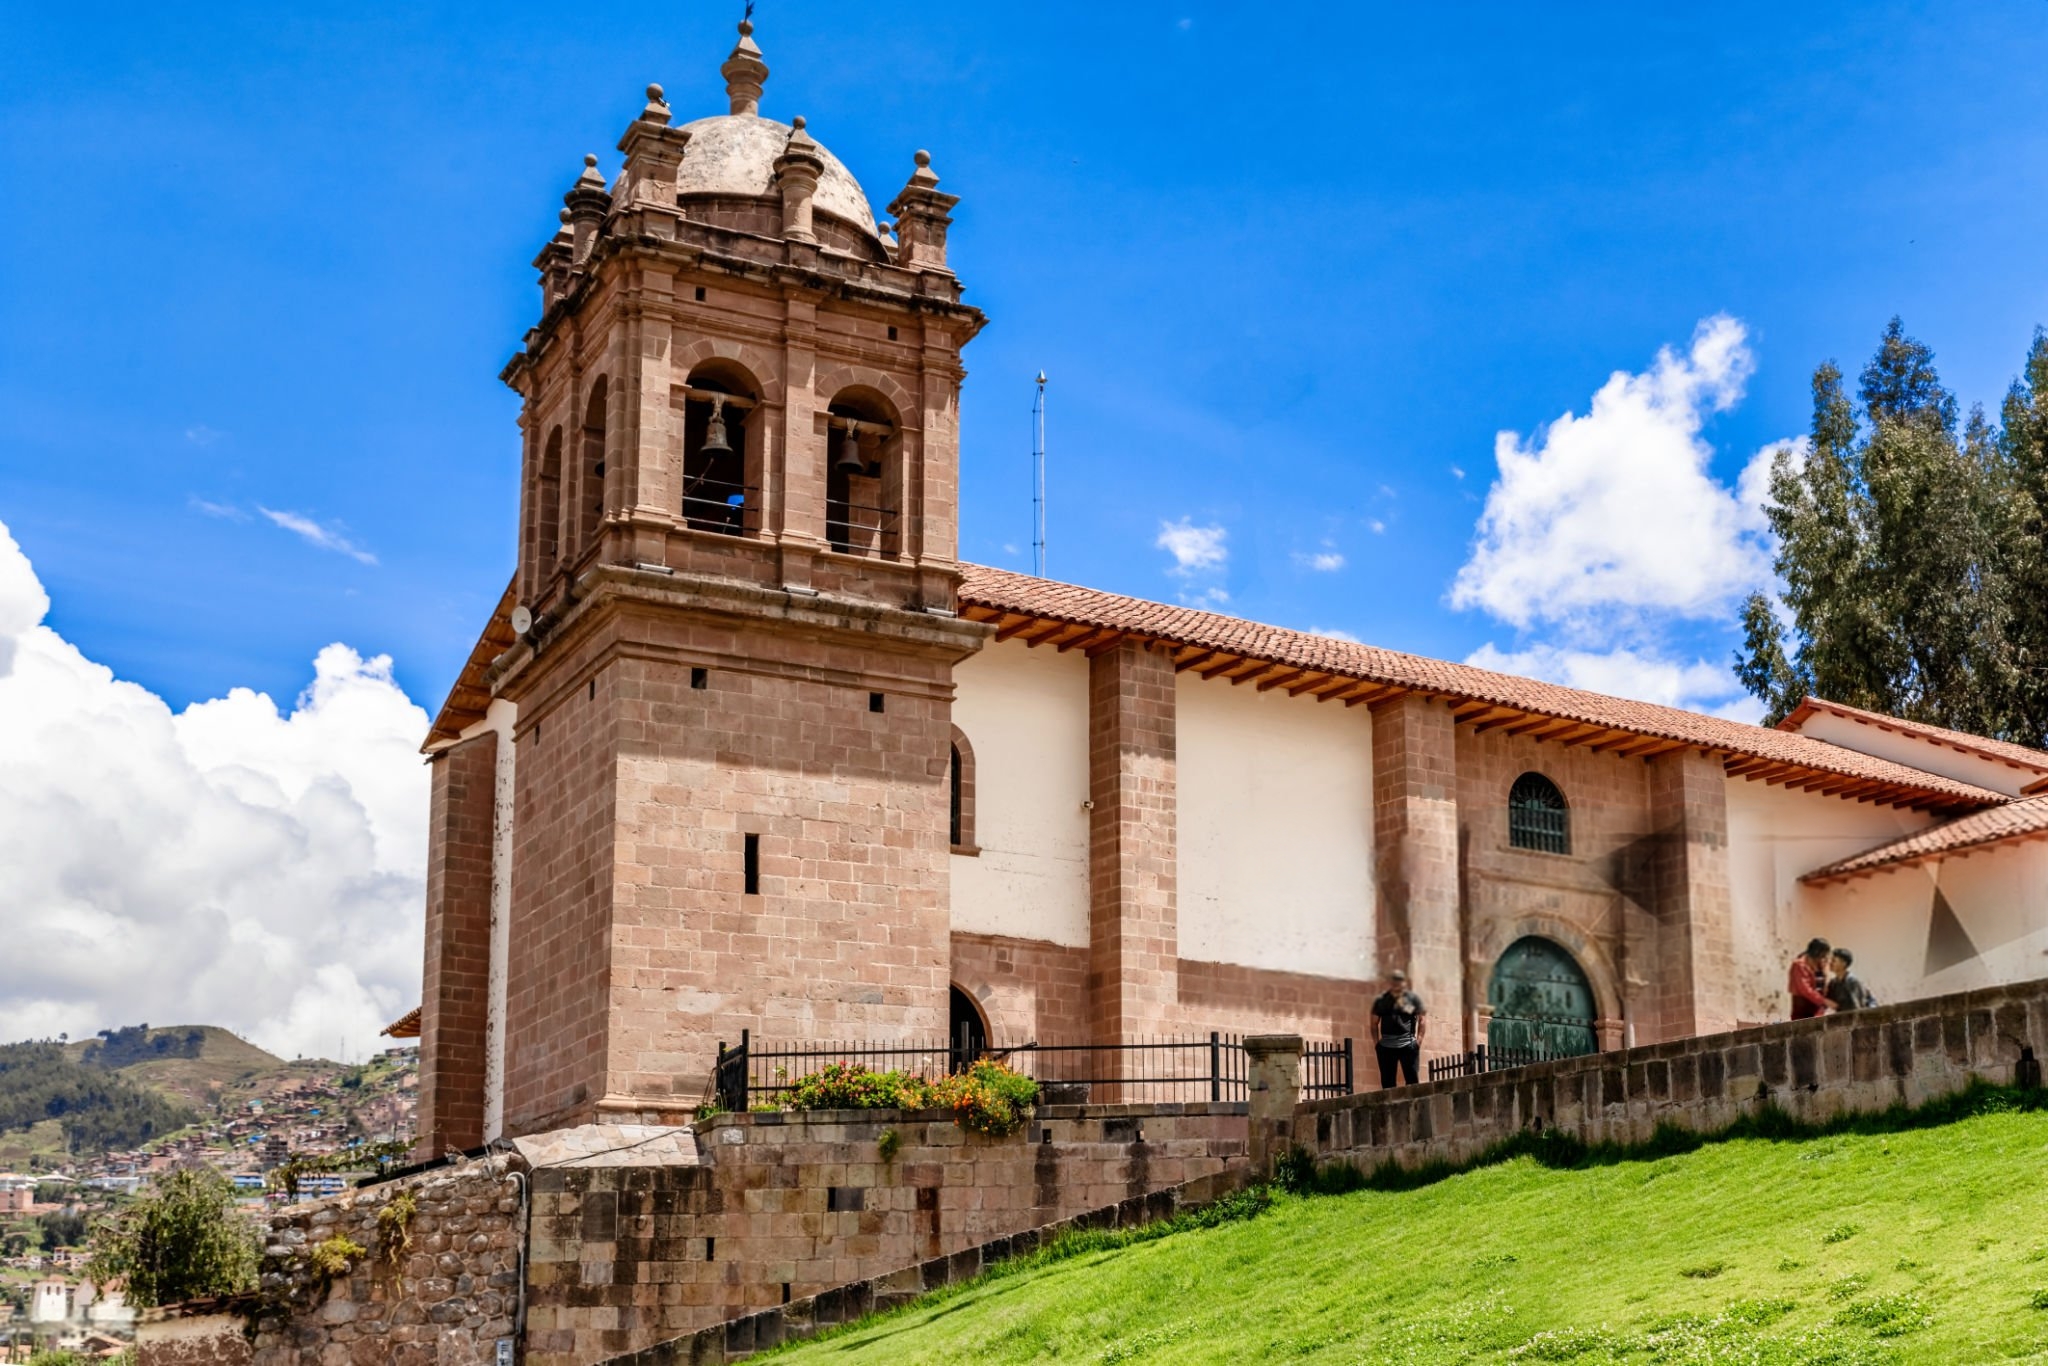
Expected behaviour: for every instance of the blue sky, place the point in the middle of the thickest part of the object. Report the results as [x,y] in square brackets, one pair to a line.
[1289,280]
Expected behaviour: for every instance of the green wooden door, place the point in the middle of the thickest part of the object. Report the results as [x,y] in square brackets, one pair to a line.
[1541,1000]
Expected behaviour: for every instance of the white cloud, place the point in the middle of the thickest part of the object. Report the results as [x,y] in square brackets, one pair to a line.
[229,864]
[1645,675]
[1322,561]
[1601,517]
[1195,549]
[227,512]
[1376,527]
[325,537]
[201,435]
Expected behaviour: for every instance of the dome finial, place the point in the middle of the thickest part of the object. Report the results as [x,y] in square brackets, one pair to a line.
[744,71]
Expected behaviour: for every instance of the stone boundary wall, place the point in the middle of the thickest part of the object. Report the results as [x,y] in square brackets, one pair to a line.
[1815,1069]
[779,1208]
[441,1293]
[803,1318]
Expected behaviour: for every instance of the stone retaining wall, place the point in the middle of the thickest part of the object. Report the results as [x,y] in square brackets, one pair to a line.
[803,1318]
[778,1208]
[1815,1069]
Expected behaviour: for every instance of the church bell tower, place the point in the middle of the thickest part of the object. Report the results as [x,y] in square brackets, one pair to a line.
[735,615]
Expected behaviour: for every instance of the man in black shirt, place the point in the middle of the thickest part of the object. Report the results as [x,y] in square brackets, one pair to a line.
[1398,1021]
[1845,988]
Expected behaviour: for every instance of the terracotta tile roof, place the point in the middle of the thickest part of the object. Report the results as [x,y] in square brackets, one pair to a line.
[2026,818]
[999,594]
[471,695]
[406,1026]
[2004,751]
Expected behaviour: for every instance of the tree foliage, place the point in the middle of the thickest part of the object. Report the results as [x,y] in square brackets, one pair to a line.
[97,1109]
[1911,552]
[131,1044]
[183,1238]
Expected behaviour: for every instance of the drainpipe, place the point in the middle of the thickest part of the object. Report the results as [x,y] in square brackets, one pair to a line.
[525,1221]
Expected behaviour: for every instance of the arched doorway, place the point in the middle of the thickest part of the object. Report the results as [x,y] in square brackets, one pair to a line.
[968,1035]
[1541,1000]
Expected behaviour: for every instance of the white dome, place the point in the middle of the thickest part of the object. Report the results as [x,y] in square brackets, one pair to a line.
[734,154]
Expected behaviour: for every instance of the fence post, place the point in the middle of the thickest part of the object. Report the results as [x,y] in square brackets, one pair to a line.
[1350,1078]
[1274,1085]
[1215,1066]
[1479,1058]
[746,1067]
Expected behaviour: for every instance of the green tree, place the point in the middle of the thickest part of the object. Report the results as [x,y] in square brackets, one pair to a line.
[182,1239]
[62,1228]
[1896,551]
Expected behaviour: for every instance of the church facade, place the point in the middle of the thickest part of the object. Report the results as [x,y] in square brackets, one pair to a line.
[747,746]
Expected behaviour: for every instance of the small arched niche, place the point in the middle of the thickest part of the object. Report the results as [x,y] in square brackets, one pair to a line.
[863,474]
[960,788]
[721,465]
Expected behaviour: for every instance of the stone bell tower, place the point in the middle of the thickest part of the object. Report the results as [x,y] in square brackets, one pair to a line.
[735,614]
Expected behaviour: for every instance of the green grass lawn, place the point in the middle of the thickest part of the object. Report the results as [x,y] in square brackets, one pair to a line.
[1925,1245]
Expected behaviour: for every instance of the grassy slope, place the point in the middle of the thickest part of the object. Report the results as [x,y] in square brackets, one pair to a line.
[1922,1246]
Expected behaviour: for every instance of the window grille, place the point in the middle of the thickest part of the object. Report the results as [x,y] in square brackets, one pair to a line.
[1538,817]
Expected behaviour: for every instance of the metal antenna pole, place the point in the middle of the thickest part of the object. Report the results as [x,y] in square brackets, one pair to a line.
[1038,479]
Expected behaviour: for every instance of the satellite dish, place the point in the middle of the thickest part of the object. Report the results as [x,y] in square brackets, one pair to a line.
[522,619]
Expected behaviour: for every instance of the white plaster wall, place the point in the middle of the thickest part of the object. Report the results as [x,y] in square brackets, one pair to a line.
[1025,712]
[2000,896]
[1775,835]
[1914,752]
[1275,838]
[500,718]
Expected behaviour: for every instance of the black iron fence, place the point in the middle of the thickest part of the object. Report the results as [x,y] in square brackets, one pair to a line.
[1484,1059]
[1169,1069]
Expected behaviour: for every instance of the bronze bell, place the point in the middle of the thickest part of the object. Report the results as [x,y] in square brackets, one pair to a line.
[715,441]
[850,461]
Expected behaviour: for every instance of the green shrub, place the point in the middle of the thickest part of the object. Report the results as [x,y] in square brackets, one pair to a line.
[394,1225]
[888,1145]
[850,1086]
[1840,1233]
[182,1239]
[1887,1315]
[988,1098]
[332,1257]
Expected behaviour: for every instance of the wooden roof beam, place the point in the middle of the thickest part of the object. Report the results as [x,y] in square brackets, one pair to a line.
[1010,630]
[1372,695]
[1197,658]
[1321,685]
[1240,671]
[1102,642]
[1486,716]
[1267,684]
[1087,638]
[1224,663]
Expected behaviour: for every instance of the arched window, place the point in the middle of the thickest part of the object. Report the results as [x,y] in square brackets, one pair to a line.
[718,408]
[590,484]
[547,508]
[861,447]
[961,787]
[1538,817]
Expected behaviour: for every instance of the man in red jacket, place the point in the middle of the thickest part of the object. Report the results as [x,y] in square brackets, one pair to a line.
[1809,980]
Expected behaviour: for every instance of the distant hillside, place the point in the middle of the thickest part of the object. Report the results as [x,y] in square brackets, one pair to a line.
[194,1064]
[94,1108]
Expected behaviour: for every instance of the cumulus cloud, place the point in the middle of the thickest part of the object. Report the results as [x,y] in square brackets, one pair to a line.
[1615,511]
[314,534]
[1647,675]
[234,863]
[1322,561]
[1194,548]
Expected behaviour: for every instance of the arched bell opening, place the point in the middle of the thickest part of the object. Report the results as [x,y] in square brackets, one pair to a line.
[721,468]
[1542,1003]
[863,462]
[590,472]
[967,1036]
[547,509]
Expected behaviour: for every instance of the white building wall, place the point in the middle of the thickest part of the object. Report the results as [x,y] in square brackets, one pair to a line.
[1915,752]
[1276,829]
[1025,713]
[1998,895]
[1774,836]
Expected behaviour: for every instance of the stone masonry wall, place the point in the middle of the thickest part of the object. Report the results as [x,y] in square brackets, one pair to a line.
[454,999]
[783,1207]
[440,1292]
[1858,1061]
